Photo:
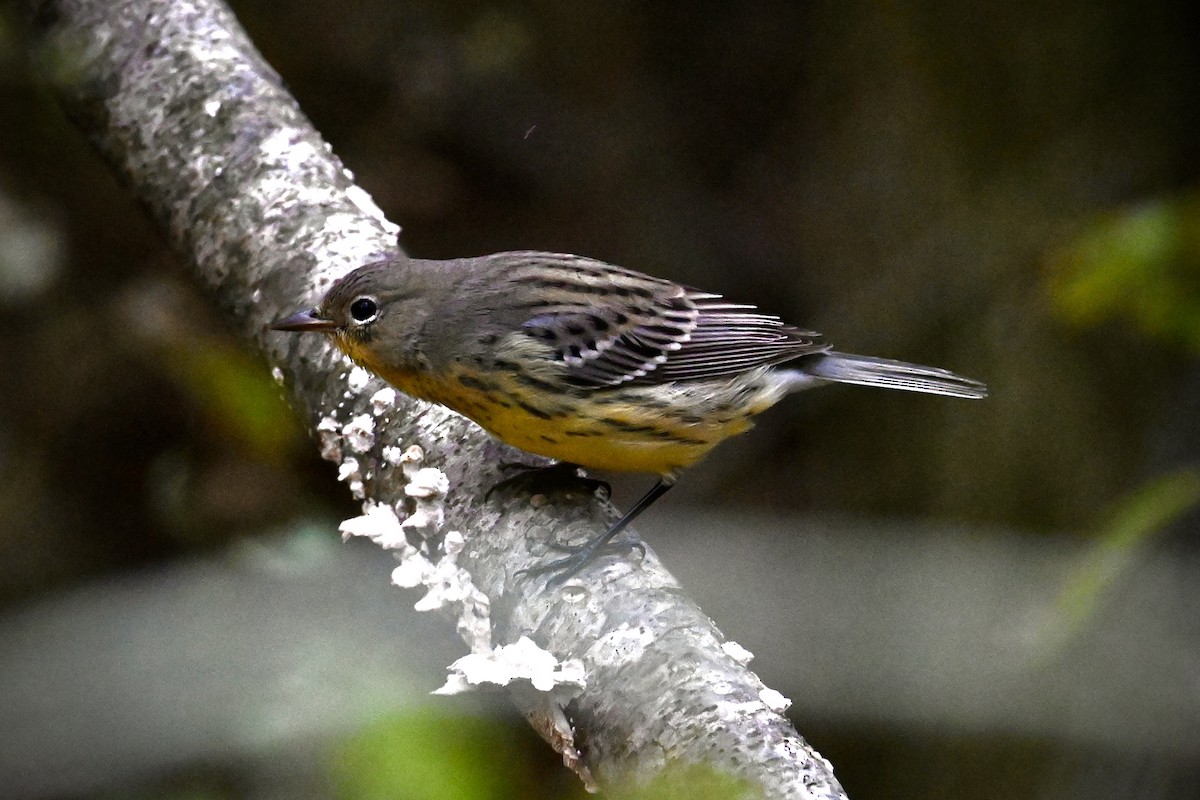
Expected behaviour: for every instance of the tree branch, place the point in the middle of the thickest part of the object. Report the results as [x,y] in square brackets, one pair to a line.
[201,130]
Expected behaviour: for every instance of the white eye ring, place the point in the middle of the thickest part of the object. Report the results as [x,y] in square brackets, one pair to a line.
[364,310]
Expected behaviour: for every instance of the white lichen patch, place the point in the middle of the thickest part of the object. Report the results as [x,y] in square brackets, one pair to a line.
[365,203]
[410,461]
[427,482]
[329,439]
[737,653]
[383,400]
[427,486]
[380,524]
[359,433]
[774,700]
[358,379]
[453,543]
[348,471]
[521,661]
[393,455]
[447,585]
[354,242]
[279,145]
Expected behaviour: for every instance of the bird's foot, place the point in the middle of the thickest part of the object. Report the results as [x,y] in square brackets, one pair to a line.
[579,556]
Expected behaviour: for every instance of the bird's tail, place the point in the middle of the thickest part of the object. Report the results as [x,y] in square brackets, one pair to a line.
[885,373]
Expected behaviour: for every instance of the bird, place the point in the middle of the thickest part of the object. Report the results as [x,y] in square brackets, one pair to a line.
[586,362]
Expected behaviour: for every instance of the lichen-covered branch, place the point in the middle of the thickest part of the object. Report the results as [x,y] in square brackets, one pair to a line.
[202,132]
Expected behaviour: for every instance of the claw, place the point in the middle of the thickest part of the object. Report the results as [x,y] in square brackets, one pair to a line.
[579,557]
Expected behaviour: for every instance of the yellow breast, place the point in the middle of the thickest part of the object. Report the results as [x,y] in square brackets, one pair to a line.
[599,431]
[653,429]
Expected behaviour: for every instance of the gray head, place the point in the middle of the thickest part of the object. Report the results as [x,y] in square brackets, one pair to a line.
[374,313]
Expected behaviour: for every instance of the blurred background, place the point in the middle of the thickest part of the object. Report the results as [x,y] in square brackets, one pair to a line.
[991,599]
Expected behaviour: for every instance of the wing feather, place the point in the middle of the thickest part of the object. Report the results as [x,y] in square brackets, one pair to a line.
[611,326]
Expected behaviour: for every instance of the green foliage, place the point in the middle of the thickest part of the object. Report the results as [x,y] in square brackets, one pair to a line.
[692,782]
[428,755]
[237,394]
[1150,509]
[1141,264]
[1136,519]
[431,756]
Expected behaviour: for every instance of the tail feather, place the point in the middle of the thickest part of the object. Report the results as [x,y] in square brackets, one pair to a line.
[888,374]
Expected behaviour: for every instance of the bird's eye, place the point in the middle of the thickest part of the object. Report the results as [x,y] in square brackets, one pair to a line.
[364,309]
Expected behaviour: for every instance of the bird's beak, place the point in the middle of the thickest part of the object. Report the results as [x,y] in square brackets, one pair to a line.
[304,321]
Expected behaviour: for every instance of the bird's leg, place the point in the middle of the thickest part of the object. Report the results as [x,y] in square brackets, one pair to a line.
[558,476]
[581,555]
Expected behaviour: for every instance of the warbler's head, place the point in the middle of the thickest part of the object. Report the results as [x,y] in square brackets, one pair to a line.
[374,314]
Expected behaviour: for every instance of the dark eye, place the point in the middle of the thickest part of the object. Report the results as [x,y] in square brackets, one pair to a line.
[363,309]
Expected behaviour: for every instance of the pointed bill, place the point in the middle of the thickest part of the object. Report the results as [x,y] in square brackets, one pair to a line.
[304,321]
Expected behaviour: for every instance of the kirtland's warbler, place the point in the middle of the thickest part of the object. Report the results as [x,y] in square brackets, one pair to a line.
[587,362]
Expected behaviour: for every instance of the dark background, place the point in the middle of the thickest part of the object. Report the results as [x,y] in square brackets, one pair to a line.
[916,180]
